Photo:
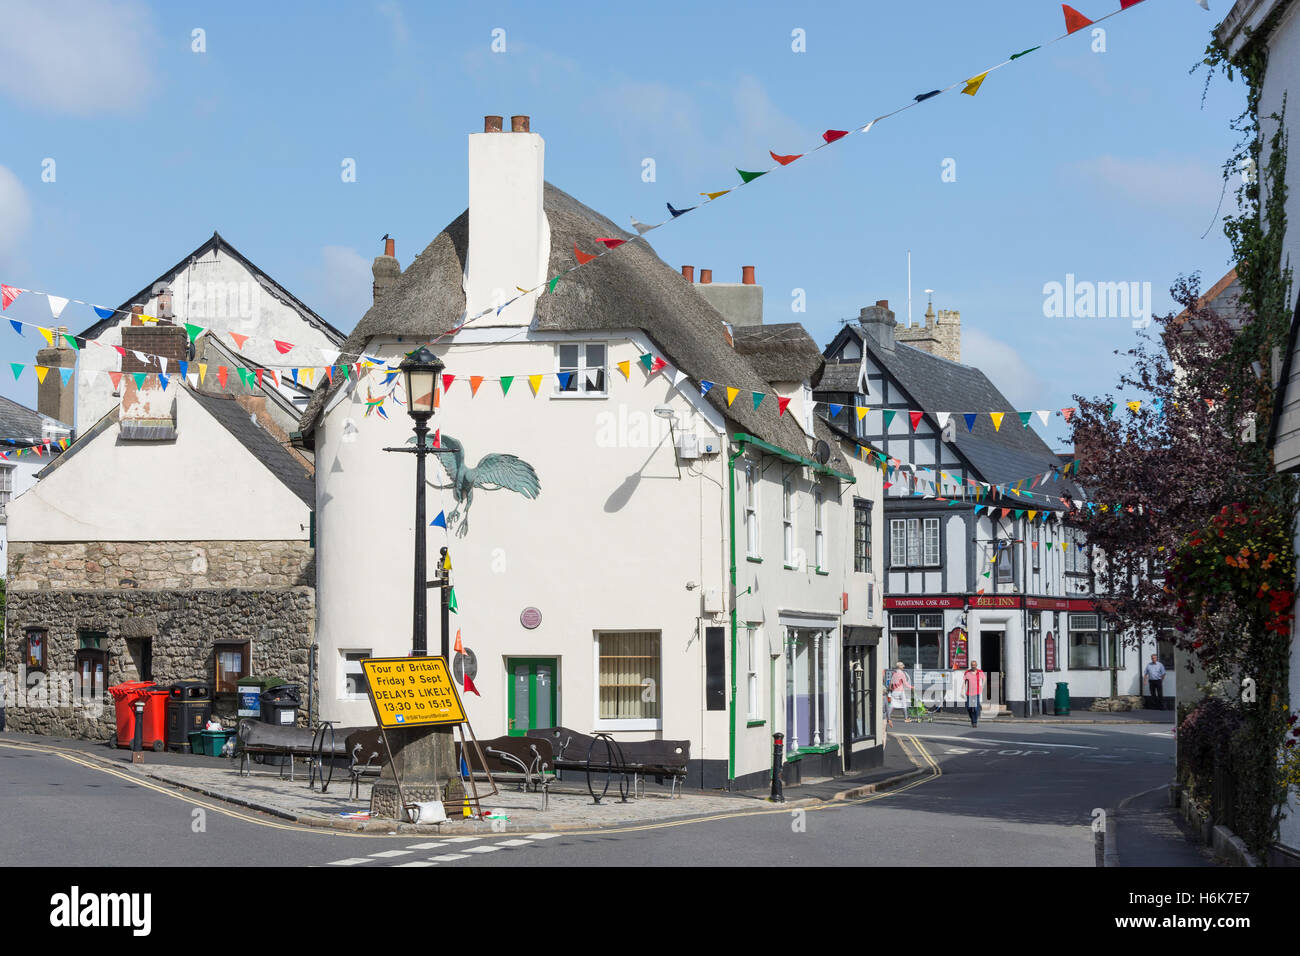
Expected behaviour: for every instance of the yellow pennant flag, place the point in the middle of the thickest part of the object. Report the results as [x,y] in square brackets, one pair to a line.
[536,382]
[1064,545]
[623,367]
[713,196]
[1135,405]
[203,371]
[41,371]
[311,375]
[731,395]
[49,336]
[862,412]
[973,84]
[1032,515]
[997,420]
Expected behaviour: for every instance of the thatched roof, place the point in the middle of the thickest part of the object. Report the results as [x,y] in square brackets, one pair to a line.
[780,353]
[631,288]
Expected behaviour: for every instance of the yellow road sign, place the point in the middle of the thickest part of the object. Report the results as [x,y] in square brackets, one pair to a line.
[412,691]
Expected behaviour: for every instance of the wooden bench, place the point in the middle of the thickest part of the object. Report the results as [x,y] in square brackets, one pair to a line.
[527,761]
[641,758]
[273,740]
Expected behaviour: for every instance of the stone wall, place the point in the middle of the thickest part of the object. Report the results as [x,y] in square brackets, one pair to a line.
[159,565]
[182,624]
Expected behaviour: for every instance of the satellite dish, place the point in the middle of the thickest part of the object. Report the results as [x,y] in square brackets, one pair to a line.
[822,451]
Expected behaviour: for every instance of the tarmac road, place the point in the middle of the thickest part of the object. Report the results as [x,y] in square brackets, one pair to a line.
[1010,794]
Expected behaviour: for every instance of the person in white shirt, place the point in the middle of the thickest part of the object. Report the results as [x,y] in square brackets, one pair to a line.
[1155,675]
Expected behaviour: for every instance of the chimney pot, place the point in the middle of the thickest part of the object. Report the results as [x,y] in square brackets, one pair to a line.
[492,124]
[706,276]
[747,275]
[688,273]
[882,303]
[390,248]
[519,124]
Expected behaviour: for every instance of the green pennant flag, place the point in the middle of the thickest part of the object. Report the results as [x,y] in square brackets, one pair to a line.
[1016,56]
[1020,512]
[554,283]
[750,177]
[1024,418]
[758,400]
[451,600]
[139,379]
[506,380]
[72,340]
[18,369]
[243,375]
[193,331]
[646,360]
[888,414]
[346,370]
[1111,413]
[987,573]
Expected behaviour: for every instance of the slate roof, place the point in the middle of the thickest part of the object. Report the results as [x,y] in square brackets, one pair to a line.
[632,288]
[217,241]
[998,456]
[839,377]
[264,446]
[784,352]
[22,424]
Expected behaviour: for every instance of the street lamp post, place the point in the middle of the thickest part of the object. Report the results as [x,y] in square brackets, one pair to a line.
[425,757]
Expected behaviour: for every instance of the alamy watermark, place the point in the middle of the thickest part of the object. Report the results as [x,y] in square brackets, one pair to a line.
[51,690]
[1074,299]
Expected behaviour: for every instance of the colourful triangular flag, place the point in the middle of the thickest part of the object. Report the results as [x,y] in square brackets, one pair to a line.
[781,404]
[7,295]
[970,420]
[239,339]
[469,687]
[440,521]
[758,400]
[458,647]
[888,415]
[41,372]
[785,160]
[704,387]
[1024,418]
[731,395]
[624,367]
[193,331]
[506,380]
[283,347]
[749,177]
[916,418]
[608,243]
[18,369]
[997,420]
[536,382]
[678,212]
[835,409]
[474,382]
[1074,20]
[139,378]
[713,196]
[831,135]
[56,303]
[564,379]
[582,257]
[451,600]
[973,84]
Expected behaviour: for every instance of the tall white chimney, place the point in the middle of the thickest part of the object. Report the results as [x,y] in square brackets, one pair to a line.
[509,238]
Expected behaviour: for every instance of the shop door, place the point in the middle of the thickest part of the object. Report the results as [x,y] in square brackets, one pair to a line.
[990,661]
[532,694]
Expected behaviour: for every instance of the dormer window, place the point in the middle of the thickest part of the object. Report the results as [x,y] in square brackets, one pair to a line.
[580,370]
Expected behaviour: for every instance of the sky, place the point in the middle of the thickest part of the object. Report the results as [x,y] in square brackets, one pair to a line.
[1098,157]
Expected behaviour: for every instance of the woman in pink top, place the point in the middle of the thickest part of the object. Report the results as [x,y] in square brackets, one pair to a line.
[897,700]
[974,681]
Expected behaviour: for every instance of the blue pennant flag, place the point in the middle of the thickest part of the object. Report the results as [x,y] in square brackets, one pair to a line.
[970,420]
[704,387]
[441,520]
[103,313]
[678,212]
[294,373]
[18,326]
[835,409]
[564,379]
[66,373]
[164,379]
[1159,404]
[185,368]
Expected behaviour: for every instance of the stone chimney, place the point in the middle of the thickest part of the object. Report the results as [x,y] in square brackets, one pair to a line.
[741,303]
[509,238]
[53,398]
[878,323]
[385,269]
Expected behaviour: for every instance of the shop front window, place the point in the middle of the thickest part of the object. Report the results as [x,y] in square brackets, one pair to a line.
[1085,641]
[918,640]
[810,718]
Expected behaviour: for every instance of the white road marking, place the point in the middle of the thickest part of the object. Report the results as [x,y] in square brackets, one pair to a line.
[544,836]
[448,857]
[460,839]
[983,740]
[352,861]
[392,853]
[418,863]
[514,843]
[486,848]
[424,846]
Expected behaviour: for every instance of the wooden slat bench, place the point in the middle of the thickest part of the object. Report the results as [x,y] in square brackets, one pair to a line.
[641,758]
[527,761]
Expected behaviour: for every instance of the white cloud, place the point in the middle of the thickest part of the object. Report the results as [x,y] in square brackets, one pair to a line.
[1183,185]
[77,56]
[1004,367]
[15,212]
[345,281]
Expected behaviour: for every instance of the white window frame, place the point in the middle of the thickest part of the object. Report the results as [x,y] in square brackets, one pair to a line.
[897,543]
[819,532]
[625,723]
[6,486]
[787,521]
[345,672]
[911,537]
[757,648]
[927,526]
[753,539]
[580,390]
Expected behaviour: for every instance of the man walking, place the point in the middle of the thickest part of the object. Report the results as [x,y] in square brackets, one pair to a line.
[974,681]
[1155,675]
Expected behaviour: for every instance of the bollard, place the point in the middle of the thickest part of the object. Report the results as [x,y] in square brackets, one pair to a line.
[778,744]
[137,742]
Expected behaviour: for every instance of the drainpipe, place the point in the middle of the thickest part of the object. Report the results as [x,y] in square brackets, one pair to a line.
[731,706]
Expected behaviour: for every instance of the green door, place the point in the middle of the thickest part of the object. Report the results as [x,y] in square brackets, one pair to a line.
[532,693]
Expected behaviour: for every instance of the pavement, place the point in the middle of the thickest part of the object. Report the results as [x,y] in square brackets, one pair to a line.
[1145,830]
[1145,716]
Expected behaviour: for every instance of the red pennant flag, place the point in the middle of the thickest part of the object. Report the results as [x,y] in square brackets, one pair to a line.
[259,378]
[282,347]
[656,365]
[239,339]
[916,418]
[1067,412]
[1125,4]
[221,375]
[785,160]
[1074,20]
[582,257]
[116,378]
[120,351]
[612,243]
[831,135]
[1210,402]
[37,449]
[447,380]
[469,686]
[781,403]
[7,294]
[437,438]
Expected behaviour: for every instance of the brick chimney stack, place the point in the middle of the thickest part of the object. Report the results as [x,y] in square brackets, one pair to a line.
[385,269]
[53,398]
[741,303]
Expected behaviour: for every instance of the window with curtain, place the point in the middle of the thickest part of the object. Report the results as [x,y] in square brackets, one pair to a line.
[861,535]
[751,510]
[629,666]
